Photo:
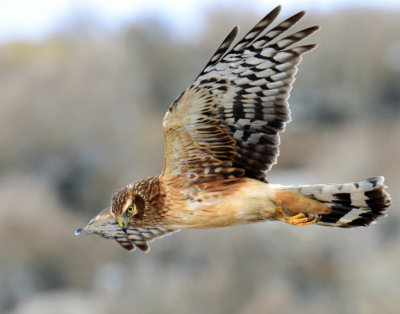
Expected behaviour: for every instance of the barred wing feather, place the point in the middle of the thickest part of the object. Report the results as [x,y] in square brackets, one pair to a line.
[231,117]
[134,236]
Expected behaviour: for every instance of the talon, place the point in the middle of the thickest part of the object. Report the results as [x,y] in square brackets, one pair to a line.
[312,219]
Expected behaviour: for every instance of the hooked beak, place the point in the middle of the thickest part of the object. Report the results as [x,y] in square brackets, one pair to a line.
[123,223]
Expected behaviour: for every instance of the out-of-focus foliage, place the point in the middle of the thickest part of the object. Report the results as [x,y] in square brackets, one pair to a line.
[80,116]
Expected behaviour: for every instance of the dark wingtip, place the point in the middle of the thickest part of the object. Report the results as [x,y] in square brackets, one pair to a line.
[296,17]
[276,10]
[301,13]
[143,246]
[313,29]
[232,35]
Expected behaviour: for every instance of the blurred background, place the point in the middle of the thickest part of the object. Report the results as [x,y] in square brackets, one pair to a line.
[83,89]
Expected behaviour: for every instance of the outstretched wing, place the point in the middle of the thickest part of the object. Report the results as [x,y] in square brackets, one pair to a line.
[228,121]
[106,226]
[134,237]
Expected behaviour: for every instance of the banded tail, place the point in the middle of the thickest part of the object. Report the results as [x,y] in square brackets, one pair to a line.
[345,205]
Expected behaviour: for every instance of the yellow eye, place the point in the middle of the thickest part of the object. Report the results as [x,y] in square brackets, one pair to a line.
[131,210]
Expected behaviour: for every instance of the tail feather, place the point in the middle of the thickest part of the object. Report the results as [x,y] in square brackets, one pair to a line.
[353,204]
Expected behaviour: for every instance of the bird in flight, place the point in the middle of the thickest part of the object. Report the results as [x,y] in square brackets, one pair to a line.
[221,139]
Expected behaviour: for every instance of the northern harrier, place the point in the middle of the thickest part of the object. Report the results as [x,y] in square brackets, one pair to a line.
[222,137]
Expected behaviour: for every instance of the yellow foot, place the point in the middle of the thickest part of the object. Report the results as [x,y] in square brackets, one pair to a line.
[301,219]
[298,220]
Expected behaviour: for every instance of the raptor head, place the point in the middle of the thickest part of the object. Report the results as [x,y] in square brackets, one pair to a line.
[128,207]
[131,221]
[134,216]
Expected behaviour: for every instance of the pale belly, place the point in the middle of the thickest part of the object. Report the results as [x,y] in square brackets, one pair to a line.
[241,203]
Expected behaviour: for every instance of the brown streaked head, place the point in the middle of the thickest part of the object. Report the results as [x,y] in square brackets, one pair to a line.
[128,206]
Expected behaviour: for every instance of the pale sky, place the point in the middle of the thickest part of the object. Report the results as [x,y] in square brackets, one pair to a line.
[36,19]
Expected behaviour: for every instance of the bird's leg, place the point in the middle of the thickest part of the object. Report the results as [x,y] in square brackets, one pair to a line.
[300,219]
